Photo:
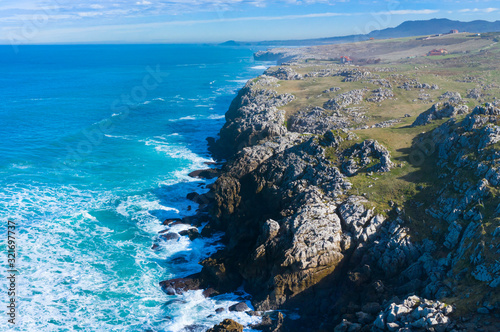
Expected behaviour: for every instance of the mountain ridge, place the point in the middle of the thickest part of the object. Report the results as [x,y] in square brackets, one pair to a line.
[405,29]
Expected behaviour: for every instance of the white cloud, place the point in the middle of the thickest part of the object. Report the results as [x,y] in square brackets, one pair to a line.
[489,10]
[96,6]
[143,3]
[478,10]
[89,14]
[410,12]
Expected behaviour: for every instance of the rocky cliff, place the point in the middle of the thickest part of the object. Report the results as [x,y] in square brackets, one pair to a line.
[301,238]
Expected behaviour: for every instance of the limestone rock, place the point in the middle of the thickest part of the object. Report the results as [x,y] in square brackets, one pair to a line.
[343,100]
[439,111]
[283,73]
[359,155]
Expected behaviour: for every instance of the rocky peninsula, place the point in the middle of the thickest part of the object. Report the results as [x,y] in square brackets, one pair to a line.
[359,198]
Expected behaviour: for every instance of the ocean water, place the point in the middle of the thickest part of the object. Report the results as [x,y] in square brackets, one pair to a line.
[96,142]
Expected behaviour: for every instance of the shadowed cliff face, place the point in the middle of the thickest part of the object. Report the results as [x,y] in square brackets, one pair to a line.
[282,223]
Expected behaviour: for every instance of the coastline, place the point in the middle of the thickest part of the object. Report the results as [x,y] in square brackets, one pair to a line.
[312,255]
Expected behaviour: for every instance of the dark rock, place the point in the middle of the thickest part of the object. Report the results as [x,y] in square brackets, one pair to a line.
[372,308]
[209,292]
[209,173]
[180,285]
[195,197]
[170,236]
[220,310]
[483,311]
[167,222]
[192,233]
[242,306]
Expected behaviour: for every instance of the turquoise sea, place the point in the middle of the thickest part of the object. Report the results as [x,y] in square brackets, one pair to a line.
[96,142]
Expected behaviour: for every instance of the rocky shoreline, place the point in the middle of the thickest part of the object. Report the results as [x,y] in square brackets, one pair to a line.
[316,256]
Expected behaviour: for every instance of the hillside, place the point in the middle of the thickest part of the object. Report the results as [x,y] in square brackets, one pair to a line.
[390,50]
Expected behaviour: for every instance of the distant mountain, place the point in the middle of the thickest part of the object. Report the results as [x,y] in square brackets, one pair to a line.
[229,43]
[435,26]
[405,29]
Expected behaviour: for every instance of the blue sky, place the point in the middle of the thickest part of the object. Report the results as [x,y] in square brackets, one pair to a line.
[190,21]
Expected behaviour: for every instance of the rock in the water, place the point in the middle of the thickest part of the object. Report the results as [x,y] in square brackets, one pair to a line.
[227,325]
[242,306]
[209,173]
[170,236]
[192,233]
[180,285]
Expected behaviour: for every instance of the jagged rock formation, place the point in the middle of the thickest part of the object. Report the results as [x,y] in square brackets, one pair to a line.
[252,116]
[283,73]
[474,93]
[380,95]
[452,97]
[414,84]
[413,314]
[463,148]
[343,100]
[296,244]
[334,89]
[439,111]
[317,121]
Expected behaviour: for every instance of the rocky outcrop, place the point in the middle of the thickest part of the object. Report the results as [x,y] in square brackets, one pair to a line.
[412,314]
[452,97]
[359,157]
[317,121]
[380,95]
[356,74]
[474,93]
[254,115]
[414,84]
[463,200]
[439,111]
[283,73]
[287,231]
[334,89]
[343,100]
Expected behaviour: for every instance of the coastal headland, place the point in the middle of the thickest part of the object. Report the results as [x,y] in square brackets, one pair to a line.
[360,189]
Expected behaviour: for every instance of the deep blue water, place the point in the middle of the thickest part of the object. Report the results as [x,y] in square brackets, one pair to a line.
[96,142]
